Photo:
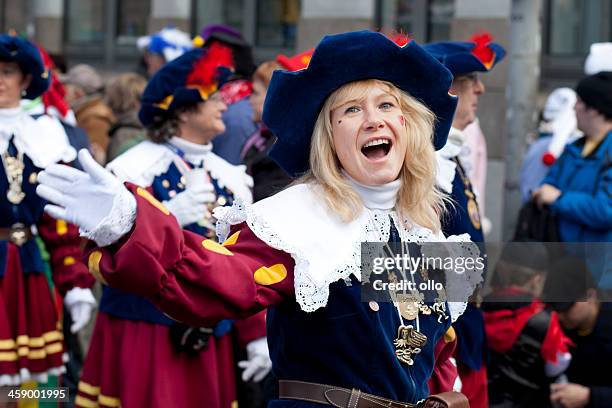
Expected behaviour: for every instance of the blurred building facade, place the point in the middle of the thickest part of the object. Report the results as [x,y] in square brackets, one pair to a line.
[104,33]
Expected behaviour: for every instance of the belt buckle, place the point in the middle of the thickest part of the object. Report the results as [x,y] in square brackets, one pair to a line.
[18,234]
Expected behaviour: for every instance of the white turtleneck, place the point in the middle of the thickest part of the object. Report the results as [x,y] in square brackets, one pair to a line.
[10,120]
[382,197]
[194,153]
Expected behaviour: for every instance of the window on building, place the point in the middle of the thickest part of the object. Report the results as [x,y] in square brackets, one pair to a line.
[575,24]
[132,20]
[441,14]
[425,20]
[85,21]
[228,12]
[405,16]
[277,23]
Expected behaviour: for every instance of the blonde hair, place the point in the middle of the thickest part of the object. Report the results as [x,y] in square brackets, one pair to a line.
[265,70]
[418,198]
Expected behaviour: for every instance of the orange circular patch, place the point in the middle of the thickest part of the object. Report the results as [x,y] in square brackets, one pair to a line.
[93,263]
[152,200]
[450,335]
[216,247]
[69,261]
[269,275]
[232,239]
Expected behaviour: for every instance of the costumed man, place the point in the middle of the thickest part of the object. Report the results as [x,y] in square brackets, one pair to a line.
[31,341]
[361,125]
[465,60]
[138,354]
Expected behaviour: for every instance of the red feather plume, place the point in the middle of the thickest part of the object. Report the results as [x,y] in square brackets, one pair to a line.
[204,72]
[481,50]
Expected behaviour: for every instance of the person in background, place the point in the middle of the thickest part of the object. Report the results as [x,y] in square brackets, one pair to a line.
[557,129]
[84,93]
[527,348]
[162,47]
[123,94]
[474,158]
[238,118]
[163,362]
[587,320]
[578,186]
[268,177]
[465,60]
[31,343]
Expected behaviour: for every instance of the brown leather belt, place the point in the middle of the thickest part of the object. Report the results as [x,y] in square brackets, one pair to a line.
[344,398]
[18,234]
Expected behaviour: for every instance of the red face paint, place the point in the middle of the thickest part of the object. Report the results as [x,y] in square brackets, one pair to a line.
[402,120]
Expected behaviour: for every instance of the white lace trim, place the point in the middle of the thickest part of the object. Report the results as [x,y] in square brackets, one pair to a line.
[117,223]
[312,294]
[147,160]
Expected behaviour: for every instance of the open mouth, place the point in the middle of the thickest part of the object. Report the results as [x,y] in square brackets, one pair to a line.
[376,148]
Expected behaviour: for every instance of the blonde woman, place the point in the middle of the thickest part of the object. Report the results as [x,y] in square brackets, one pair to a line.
[358,126]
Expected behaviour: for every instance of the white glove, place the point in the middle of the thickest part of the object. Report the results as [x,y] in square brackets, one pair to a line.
[190,206]
[258,364]
[87,198]
[80,303]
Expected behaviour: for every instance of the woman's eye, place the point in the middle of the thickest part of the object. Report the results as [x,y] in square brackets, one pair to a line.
[352,109]
[386,105]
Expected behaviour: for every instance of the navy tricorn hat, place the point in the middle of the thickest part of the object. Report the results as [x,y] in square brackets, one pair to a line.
[26,55]
[478,55]
[191,78]
[294,99]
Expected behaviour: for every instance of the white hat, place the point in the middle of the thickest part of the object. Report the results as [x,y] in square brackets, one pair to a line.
[170,42]
[559,111]
[599,58]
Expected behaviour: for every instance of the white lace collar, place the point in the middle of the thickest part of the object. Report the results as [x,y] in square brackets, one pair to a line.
[147,160]
[43,140]
[325,249]
[377,197]
[194,153]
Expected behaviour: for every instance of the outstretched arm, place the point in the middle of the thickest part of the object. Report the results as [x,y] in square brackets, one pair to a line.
[142,249]
[191,278]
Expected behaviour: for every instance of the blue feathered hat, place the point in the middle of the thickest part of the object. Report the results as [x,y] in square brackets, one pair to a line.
[294,99]
[191,78]
[26,55]
[478,55]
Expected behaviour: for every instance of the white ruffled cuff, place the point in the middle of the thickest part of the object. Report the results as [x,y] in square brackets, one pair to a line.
[118,222]
[79,295]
